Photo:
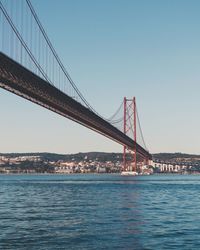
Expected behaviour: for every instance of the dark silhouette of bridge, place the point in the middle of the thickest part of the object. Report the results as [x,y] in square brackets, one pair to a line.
[31,68]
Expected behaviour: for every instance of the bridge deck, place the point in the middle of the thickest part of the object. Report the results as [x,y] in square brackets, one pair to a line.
[19,80]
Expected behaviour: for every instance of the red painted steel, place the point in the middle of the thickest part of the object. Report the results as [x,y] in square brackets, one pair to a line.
[135,134]
[124,154]
[21,81]
[129,120]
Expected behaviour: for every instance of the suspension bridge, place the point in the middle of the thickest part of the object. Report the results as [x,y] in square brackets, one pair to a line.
[31,68]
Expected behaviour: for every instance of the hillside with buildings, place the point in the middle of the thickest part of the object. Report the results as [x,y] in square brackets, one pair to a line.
[176,163]
[177,158]
[90,162]
[93,162]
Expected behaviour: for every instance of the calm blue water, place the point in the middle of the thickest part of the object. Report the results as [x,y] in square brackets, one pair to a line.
[99,212]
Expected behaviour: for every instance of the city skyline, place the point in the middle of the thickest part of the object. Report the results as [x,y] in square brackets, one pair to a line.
[114,49]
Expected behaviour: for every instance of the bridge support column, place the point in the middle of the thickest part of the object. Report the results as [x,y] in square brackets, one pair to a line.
[129,156]
[124,153]
[135,135]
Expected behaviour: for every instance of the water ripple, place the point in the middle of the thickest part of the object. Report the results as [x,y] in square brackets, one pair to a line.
[99,212]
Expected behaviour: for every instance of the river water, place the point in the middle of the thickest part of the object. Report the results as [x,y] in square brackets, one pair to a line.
[99,212]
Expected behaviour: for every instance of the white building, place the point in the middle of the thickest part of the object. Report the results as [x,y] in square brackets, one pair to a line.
[167,167]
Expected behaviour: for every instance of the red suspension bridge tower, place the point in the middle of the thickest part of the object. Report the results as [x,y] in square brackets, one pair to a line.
[130,116]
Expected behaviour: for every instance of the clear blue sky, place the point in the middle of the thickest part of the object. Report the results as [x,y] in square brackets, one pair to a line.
[112,49]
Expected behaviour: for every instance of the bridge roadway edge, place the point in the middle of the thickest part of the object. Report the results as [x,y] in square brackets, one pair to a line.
[22,82]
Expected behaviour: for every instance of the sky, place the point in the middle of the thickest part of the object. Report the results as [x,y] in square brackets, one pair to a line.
[111,49]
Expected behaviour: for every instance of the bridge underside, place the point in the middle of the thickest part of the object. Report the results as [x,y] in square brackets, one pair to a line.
[19,80]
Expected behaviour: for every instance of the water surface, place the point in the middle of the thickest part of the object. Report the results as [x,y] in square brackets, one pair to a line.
[99,212]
